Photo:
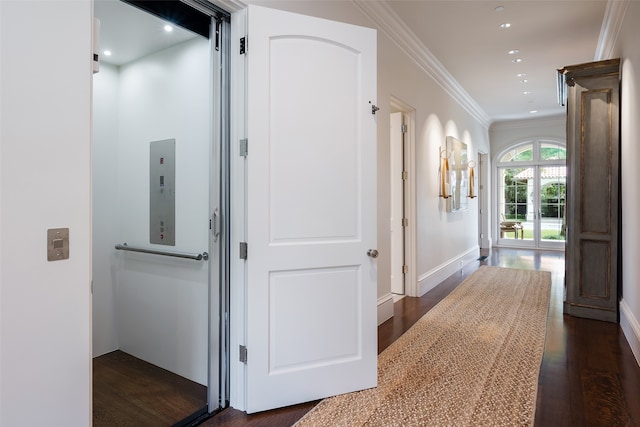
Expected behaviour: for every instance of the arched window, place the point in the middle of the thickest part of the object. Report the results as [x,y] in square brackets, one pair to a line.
[531,191]
[527,152]
[522,153]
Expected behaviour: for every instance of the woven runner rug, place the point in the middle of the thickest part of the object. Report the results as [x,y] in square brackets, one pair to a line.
[472,360]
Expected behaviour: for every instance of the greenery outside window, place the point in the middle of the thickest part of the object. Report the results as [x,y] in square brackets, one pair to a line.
[531,193]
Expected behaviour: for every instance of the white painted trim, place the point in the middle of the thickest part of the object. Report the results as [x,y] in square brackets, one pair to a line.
[411,284]
[237,374]
[395,28]
[411,236]
[495,155]
[484,213]
[611,26]
[385,308]
[435,276]
[631,328]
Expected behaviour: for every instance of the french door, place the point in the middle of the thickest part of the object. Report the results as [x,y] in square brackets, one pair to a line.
[531,206]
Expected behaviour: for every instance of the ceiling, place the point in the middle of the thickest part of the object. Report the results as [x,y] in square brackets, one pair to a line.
[465,37]
[130,33]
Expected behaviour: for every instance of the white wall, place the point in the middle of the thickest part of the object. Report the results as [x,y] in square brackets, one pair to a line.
[105,212]
[503,134]
[45,318]
[627,49]
[153,307]
[45,304]
[443,238]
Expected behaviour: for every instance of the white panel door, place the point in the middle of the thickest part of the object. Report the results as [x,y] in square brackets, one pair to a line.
[311,209]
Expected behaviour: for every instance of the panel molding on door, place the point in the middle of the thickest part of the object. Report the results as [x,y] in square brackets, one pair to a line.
[311,289]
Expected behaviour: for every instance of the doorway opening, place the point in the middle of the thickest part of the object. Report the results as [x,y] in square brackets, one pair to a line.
[484,241]
[402,197]
[531,195]
[160,288]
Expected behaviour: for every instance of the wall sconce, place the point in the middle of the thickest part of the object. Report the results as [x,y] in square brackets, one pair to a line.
[444,173]
[471,165]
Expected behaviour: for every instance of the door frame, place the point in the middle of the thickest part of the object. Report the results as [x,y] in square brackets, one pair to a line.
[219,205]
[484,214]
[397,196]
[237,226]
[411,287]
[536,164]
[516,242]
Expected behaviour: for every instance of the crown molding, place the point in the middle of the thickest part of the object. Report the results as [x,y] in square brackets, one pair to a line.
[392,25]
[611,25]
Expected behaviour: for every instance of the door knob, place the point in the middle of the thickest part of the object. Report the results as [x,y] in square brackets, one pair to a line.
[373,253]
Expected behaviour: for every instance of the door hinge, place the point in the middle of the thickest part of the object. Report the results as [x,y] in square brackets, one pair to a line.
[405,175]
[403,128]
[243,250]
[405,269]
[242,353]
[405,222]
[244,147]
[243,45]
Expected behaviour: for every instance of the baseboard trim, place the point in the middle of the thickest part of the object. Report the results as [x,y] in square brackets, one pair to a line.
[385,308]
[435,276]
[631,328]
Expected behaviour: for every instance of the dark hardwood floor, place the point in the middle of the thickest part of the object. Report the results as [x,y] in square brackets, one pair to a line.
[588,377]
[128,391]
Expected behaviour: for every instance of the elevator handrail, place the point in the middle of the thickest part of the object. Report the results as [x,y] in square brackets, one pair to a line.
[196,257]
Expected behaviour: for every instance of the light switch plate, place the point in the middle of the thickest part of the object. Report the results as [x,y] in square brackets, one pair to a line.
[57,244]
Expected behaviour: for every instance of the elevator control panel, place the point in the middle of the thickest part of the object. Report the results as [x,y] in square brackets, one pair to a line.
[162,194]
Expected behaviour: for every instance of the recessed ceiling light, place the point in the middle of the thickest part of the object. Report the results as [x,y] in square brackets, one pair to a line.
[513,52]
[517,60]
[533,111]
[168,28]
[106,52]
[521,74]
[526,92]
[525,81]
[505,25]
[499,8]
